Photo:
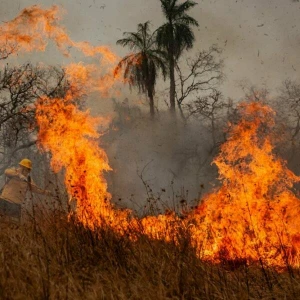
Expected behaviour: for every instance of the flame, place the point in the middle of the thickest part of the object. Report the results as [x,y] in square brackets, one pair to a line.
[34,26]
[254,216]
[70,135]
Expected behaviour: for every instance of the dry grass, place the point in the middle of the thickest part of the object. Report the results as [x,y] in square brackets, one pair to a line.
[50,258]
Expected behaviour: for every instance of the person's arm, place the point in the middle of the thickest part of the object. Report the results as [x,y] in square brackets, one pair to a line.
[35,189]
[38,190]
[14,173]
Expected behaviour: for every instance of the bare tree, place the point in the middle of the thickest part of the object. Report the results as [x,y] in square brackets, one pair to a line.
[204,73]
[254,93]
[20,87]
[210,108]
[289,106]
[7,49]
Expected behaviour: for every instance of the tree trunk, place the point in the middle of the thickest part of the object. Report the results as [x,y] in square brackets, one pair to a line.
[172,81]
[172,67]
[149,88]
[213,129]
[181,112]
[150,95]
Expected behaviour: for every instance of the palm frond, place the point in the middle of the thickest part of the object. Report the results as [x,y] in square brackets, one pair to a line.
[164,36]
[141,68]
[176,34]
[125,60]
[183,36]
[133,41]
[187,20]
[184,7]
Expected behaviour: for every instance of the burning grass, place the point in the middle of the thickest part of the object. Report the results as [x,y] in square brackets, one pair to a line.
[49,257]
[252,217]
[255,214]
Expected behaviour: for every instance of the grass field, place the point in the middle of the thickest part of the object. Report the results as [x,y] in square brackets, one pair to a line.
[50,257]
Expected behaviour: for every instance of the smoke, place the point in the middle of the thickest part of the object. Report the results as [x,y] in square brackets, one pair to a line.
[162,161]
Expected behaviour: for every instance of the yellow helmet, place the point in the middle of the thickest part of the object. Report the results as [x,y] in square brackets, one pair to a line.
[26,163]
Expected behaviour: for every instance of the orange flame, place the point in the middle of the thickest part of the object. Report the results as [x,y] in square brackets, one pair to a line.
[69,134]
[32,28]
[254,216]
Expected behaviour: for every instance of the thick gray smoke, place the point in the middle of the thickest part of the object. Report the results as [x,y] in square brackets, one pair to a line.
[161,159]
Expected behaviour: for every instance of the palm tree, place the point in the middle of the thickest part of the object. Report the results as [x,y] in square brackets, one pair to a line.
[142,66]
[175,35]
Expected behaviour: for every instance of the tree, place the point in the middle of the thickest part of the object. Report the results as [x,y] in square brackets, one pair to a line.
[141,68]
[210,108]
[288,103]
[204,74]
[20,87]
[175,36]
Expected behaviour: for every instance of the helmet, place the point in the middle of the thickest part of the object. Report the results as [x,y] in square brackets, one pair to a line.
[26,163]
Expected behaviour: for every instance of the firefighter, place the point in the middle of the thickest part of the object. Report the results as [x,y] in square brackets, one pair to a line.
[18,183]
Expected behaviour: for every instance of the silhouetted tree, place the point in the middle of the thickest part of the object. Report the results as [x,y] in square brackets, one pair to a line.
[175,35]
[211,108]
[202,74]
[142,66]
[20,87]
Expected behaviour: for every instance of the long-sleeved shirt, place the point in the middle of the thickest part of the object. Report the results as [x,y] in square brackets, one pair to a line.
[17,186]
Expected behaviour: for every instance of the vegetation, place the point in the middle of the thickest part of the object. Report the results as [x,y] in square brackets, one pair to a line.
[20,87]
[162,50]
[141,68]
[175,35]
[49,257]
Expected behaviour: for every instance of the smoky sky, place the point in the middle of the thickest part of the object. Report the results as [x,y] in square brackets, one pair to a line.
[260,38]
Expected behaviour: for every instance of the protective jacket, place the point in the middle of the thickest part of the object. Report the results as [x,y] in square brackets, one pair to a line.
[17,185]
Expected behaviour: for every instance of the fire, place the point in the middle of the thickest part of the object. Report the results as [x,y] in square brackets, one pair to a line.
[69,134]
[34,26]
[253,216]
[31,29]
